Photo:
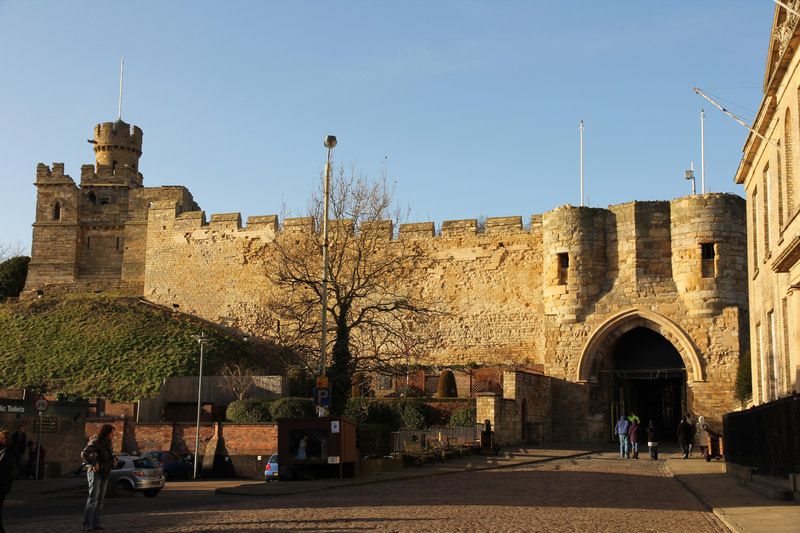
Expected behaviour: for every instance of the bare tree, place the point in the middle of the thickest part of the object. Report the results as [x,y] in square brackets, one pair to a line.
[373,299]
[238,378]
[9,250]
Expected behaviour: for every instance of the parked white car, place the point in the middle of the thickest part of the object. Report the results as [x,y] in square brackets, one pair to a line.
[135,473]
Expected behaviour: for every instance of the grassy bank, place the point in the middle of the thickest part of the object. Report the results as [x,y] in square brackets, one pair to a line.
[101,345]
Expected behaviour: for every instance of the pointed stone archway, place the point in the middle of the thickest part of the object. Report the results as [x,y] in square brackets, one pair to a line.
[605,336]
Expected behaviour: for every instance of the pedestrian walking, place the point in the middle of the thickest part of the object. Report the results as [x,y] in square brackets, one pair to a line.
[621,429]
[99,455]
[8,469]
[633,435]
[701,436]
[652,440]
[685,436]
[20,442]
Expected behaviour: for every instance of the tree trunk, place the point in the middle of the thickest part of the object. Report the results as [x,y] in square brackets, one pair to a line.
[341,371]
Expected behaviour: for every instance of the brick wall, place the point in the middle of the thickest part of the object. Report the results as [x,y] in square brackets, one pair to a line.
[63,446]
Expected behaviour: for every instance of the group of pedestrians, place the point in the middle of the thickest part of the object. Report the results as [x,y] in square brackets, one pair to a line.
[627,430]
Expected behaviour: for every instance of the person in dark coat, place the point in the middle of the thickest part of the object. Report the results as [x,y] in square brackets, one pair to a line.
[685,435]
[99,455]
[8,469]
[20,440]
[652,440]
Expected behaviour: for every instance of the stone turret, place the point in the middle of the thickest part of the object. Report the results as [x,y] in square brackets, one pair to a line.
[574,263]
[117,148]
[708,252]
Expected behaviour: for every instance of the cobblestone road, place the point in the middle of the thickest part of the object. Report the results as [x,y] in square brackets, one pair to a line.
[591,493]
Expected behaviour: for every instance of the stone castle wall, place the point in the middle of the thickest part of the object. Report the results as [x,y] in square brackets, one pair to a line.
[557,292]
[635,264]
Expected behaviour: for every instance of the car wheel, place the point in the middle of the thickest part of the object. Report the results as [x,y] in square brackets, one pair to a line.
[151,493]
[123,489]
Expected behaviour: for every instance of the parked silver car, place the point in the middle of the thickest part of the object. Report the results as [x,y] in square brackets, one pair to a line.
[135,473]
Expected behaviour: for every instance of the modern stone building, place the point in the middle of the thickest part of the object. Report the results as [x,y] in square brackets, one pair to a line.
[769,171]
[641,306]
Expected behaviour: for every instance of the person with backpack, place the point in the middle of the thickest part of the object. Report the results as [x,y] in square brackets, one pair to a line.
[100,459]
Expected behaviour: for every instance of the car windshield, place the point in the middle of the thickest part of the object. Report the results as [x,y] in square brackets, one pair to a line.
[273,458]
[144,462]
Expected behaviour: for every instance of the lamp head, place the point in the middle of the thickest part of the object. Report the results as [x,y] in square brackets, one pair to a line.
[688,174]
[330,142]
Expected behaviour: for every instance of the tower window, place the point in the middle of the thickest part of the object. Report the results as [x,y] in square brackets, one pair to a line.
[117,243]
[563,268]
[113,168]
[88,242]
[91,197]
[57,211]
[708,255]
[105,200]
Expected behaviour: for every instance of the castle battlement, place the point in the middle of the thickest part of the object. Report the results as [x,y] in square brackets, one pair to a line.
[53,176]
[119,133]
[697,213]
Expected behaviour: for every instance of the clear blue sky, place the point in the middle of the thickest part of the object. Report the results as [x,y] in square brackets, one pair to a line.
[476,104]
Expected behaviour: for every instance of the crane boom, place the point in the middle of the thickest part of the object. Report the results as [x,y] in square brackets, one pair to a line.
[734,117]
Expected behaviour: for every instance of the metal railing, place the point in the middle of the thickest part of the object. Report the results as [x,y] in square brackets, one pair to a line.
[766,437]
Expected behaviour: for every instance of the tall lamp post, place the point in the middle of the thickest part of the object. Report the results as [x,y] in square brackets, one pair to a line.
[330,144]
[202,340]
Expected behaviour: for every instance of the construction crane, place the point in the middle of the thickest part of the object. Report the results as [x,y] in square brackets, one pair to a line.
[734,117]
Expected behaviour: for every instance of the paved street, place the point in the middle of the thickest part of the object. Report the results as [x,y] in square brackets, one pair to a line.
[591,493]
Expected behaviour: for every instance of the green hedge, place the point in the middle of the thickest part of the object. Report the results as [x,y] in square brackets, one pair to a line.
[393,413]
[292,408]
[466,416]
[249,411]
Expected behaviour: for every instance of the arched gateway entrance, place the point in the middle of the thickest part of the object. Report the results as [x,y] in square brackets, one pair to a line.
[643,362]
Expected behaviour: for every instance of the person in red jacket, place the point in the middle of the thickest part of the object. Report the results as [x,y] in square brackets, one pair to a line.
[633,437]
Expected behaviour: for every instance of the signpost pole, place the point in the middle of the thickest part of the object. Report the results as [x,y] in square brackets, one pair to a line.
[38,446]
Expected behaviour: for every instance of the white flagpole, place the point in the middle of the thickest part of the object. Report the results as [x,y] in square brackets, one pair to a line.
[702,151]
[581,163]
[121,76]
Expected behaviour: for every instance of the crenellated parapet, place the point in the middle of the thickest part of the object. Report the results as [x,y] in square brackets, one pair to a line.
[46,175]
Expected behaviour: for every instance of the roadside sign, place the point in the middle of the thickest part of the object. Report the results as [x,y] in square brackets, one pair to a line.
[41,404]
[322,382]
[322,397]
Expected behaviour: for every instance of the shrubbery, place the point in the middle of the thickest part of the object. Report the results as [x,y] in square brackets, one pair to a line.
[292,408]
[393,413]
[249,411]
[13,273]
[466,416]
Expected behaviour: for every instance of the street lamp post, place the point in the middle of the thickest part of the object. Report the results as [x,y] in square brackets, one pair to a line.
[202,340]
[330,144]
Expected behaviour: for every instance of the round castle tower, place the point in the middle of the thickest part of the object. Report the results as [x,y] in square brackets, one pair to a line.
[709,256]
[117,145]
[574,267]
